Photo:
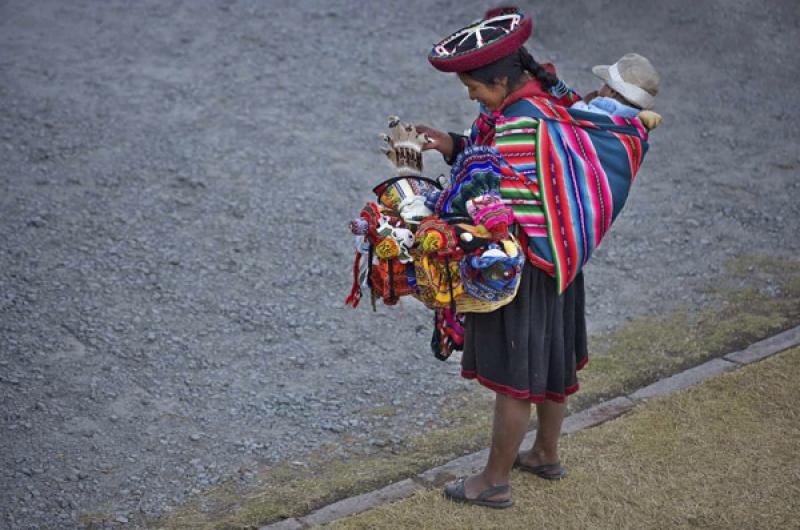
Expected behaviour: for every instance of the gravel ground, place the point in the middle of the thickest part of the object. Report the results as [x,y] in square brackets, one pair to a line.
[175,183]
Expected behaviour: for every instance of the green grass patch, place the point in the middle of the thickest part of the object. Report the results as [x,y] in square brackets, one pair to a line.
[755,298]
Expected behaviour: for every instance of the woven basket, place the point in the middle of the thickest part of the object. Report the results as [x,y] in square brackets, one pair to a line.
[464,302]
[467,304]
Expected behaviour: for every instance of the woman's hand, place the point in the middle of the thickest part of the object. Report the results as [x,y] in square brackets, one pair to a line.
[441,141]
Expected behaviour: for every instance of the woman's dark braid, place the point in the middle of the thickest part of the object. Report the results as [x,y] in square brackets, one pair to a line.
[528,63]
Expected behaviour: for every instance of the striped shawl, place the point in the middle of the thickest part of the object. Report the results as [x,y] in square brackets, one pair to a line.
[567,178]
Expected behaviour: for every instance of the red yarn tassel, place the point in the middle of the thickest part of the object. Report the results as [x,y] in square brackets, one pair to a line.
[355,293]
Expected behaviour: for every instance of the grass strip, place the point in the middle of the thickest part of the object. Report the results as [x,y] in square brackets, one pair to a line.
[720,455]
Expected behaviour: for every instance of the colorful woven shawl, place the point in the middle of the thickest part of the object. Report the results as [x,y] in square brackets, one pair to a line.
[570,175]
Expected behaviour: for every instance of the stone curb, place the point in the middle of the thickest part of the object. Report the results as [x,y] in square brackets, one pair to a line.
[684,379]
[350,506]
[455,468]
[600,413]
[765,348]
[286,524]
[361,503]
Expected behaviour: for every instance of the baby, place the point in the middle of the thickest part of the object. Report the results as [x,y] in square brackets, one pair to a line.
[631,85]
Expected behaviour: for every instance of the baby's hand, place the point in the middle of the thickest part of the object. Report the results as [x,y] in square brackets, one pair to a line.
[650,119]
[441,141]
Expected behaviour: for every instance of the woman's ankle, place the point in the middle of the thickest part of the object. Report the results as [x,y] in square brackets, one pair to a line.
[492,478]
[542,455]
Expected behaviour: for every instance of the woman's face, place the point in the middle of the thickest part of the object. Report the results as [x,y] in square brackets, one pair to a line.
[490,96]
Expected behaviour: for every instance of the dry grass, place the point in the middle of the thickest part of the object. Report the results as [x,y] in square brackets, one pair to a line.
[721,455]
[758,297]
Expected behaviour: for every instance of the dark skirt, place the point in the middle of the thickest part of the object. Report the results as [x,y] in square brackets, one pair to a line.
[533,347]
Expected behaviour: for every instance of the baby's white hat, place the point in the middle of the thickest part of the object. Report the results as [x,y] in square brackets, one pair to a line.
[632,76]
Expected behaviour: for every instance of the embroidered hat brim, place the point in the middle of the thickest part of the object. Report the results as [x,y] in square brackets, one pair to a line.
[445,56]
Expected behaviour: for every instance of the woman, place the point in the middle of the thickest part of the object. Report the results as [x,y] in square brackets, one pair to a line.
[529,350]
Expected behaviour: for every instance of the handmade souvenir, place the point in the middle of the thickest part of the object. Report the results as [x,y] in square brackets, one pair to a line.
[448,333]
[367,222]
[361,269]
[359,227]
[402,195]
[437,237]
[449,247]
[493,274]
[404,148]
[477,174]
[388,248]
[442,278]
[413,209]
[422,292]
[490,212]
[480,282]
[472,237]
[391,279]
[394,243]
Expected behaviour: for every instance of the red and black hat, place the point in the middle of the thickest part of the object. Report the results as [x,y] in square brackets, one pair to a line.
[501,32]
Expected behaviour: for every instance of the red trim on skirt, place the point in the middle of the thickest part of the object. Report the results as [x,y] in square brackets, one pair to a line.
[525,394]
[583,363]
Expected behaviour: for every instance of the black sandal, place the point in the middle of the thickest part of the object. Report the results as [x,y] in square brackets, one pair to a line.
[544,471]
[455,492]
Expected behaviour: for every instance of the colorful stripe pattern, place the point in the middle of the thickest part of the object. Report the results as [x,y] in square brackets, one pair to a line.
[519,188]
[476,172]
[569,176]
